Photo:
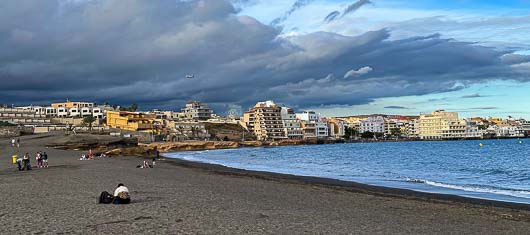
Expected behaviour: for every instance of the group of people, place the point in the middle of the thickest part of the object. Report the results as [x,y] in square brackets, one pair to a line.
[120,196]
[88,156]
[24,163]
[146,164]
[15,143]
[42,159]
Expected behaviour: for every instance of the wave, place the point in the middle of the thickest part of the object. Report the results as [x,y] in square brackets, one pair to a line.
[475,188]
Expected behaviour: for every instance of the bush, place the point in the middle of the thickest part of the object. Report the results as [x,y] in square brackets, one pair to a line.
[2,123]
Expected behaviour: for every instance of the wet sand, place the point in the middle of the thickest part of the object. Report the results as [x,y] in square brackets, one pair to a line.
[179,197]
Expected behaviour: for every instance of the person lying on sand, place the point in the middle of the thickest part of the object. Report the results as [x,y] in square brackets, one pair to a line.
[121,195]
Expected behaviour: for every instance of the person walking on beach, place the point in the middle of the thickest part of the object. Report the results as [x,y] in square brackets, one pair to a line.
[26,162]
[13,142]
[38,158]
[44,159]
[121,195]
[18,142]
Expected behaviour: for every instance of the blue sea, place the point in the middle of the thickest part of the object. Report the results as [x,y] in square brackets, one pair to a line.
[499,170]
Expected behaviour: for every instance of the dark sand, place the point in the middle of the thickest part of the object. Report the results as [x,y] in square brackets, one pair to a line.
[180,197]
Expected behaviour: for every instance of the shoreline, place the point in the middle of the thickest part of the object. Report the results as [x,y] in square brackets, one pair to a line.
[349,186]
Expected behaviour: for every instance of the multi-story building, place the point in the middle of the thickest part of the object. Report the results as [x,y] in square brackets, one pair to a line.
[131,121]
[525,126]
[509,131]
[309,129]
[69,105]
[22,116]
[191,130]
[456,129]
[322,129]
[314,122]
[410,129]
[336,128]
[292,125]
[197,111]
[265,121]
[437,124]
[373,124]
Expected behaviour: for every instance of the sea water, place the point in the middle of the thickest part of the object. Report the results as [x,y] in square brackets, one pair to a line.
[487,169]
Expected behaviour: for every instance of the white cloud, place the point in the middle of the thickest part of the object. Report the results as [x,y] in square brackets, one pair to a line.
[356,73]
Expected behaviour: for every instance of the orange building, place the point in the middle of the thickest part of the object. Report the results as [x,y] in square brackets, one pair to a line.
[70,105]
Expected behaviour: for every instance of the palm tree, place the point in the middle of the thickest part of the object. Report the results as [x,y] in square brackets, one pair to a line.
[88,120]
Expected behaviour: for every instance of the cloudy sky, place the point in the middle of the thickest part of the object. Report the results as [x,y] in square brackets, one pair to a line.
[339,57]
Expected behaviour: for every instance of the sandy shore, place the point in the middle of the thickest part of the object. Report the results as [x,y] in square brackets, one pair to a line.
[180,197]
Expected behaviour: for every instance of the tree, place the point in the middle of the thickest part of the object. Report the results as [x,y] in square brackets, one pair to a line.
[367,135]
[350,132]
[88,120]
[133,107]
[396,132]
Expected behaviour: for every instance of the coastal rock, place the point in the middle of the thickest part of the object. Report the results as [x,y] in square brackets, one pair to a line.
[190,146]
[94,142]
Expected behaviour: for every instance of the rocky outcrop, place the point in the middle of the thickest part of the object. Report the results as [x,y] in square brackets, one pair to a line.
[191,145]
[164,147]
[98,143]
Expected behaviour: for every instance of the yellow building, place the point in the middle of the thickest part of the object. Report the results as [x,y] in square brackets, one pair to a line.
[131,121]
[437,124]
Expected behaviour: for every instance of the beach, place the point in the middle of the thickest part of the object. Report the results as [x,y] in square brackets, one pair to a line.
[179,197]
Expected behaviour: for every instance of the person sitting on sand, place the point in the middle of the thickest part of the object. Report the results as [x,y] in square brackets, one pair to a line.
[121,195]
[146,165]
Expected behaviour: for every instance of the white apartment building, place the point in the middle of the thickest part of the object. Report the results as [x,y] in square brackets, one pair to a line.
[372,124]
[509,131]
[292,125]
[314,122]
[322,130]
[60,111]
[472,130]
[197,110]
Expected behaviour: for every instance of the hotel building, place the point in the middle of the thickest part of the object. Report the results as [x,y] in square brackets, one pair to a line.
[265,121]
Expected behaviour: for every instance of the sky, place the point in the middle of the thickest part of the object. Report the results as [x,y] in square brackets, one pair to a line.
[338,57]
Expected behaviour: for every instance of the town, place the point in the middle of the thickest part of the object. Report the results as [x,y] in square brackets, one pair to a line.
[266,121]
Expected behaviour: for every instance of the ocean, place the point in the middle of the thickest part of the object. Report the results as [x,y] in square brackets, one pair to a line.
[497,170]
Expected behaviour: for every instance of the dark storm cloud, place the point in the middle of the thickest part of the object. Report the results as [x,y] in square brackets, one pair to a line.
[485,108]
[350,9]
[355,6]
[331,16]
[295,7]
[141,51]
[395,107]
[476,95]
